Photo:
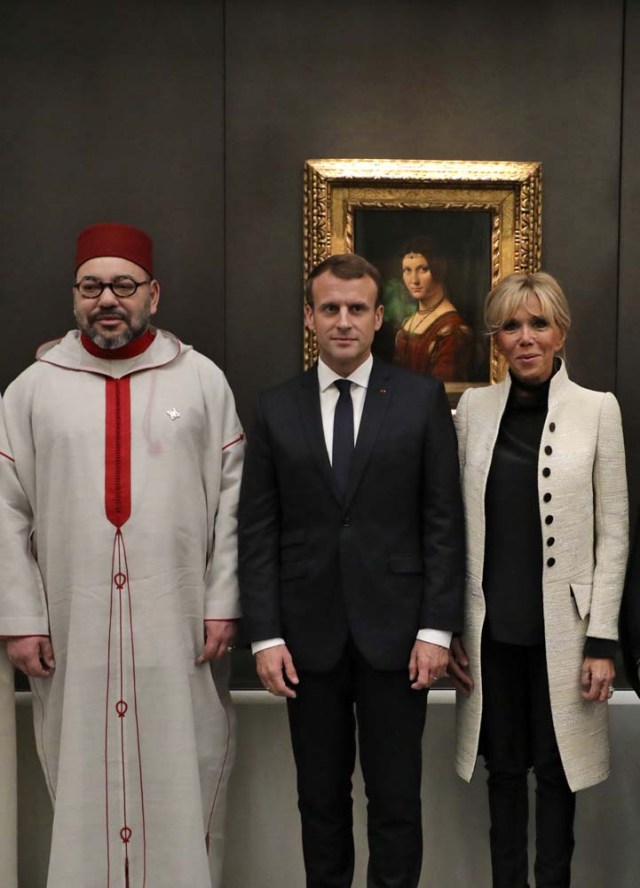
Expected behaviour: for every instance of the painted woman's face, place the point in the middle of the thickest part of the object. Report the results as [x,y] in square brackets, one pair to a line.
[417,276]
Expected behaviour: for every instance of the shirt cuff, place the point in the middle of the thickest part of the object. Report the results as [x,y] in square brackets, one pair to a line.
[257,646]
[436,636]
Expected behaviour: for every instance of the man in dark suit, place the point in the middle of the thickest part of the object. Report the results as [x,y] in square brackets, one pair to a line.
[351,574]
[630,614]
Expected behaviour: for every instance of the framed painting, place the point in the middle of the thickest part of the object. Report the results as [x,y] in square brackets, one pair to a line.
[442,233]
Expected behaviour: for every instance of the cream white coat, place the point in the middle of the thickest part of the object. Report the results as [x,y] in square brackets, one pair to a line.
[582,588]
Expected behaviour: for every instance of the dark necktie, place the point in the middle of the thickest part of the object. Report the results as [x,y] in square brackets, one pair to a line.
[342,435]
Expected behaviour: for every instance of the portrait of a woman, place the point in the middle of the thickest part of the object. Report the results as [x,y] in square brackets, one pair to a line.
[434,339]
[544,483]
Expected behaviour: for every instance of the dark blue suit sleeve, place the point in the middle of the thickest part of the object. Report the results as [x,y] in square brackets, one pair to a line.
[258,537]
[443,543]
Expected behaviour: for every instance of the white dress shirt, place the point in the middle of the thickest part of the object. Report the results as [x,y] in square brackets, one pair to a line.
[329,395]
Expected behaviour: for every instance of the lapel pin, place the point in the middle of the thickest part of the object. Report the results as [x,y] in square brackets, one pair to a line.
[173,414]
[382,391]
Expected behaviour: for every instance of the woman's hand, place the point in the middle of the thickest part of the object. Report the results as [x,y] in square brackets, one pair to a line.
[596,677]
[458,667]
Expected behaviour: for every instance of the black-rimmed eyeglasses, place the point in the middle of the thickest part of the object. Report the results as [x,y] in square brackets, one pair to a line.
[122,287]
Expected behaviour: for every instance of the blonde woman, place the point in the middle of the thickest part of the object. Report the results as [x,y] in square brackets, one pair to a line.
[544,482]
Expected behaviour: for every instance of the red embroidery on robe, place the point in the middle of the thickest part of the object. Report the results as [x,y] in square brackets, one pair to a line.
[121,690]
[131,350]
[117,482]
[235,441]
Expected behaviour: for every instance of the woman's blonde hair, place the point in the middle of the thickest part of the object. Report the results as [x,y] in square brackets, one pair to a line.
[514,290]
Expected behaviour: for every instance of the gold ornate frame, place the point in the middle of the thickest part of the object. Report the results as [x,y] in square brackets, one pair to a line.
[511,191]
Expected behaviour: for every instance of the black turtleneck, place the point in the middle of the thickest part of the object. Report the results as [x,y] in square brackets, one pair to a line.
[512,579]
[513,543]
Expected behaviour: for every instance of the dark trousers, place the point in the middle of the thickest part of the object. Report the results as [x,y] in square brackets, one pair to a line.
[390,719]
[517,732]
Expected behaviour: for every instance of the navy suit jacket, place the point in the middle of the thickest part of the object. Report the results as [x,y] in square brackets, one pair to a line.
[630,614]
[381,563]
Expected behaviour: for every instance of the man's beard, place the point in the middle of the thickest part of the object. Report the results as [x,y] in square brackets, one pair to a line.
[132,330]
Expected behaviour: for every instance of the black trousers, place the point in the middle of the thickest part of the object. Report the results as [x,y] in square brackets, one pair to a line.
[390,721]
[517,732]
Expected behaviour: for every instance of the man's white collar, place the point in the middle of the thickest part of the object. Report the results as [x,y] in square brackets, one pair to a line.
[360,376]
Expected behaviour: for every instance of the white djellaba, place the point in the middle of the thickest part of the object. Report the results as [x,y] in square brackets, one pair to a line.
[118,496]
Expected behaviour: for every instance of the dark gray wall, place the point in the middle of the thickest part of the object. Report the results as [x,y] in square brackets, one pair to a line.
[193,119]
[628,350]
[110,111]
[461,79]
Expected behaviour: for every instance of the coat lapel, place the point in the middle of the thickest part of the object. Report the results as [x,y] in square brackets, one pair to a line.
[486,426]
[376,404]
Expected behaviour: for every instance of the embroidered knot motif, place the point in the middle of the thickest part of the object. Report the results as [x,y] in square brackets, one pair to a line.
[173,414]
[121,708]
[125,834]
[120,579]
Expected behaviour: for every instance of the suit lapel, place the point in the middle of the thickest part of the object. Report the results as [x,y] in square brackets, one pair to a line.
[309,403]
[377,400]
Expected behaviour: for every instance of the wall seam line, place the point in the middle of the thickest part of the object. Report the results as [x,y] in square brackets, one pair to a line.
[225,314]
[616,377]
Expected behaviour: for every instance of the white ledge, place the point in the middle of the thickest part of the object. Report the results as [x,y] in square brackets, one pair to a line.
[436,698]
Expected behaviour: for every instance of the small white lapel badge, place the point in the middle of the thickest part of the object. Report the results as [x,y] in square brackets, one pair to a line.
[173,414]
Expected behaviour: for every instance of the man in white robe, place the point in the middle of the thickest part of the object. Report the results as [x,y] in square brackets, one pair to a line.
[118,543]
[8,765]
[8,801]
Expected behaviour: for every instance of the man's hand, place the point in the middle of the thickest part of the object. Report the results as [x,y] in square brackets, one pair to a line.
[272,665]
[428,662]
[219,636]
[597,676]
[459,667]
[33,654]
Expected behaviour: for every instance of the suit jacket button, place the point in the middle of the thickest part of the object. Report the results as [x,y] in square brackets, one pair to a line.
[551,562]
[346,520]
[548,519]
[546,472]
[551,541]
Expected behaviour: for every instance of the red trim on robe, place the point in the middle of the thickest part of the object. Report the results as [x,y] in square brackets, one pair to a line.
[130,350]
[121,689]
[219,783]
[117,481]
[6,456]
[235,441]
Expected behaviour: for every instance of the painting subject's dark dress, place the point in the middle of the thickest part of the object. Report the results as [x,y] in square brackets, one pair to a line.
[444,350]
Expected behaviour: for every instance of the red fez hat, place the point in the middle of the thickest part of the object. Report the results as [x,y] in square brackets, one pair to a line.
[114,239]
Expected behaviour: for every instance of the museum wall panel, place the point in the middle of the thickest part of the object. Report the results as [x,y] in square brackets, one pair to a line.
[494,80]
[628,344]
[110,111]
